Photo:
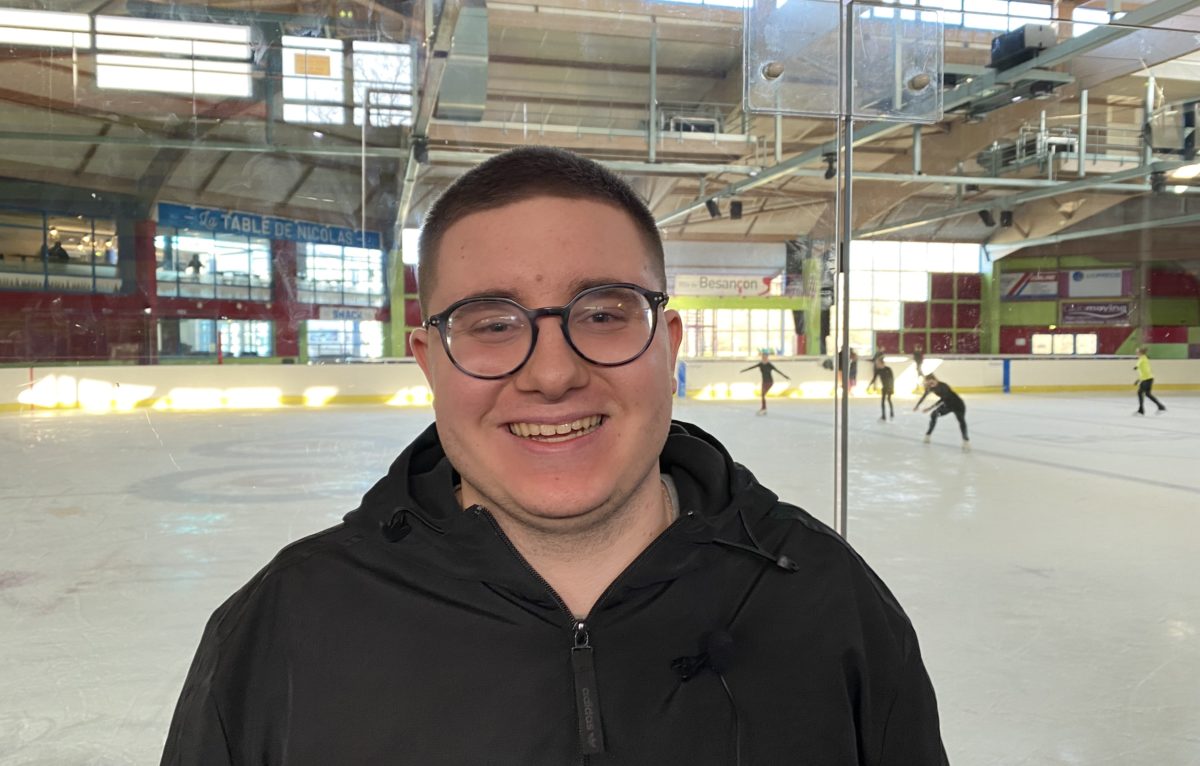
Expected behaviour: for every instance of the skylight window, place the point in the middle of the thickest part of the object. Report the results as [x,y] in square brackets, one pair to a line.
[44,29]
[313,84]
[383,81]
[193,58]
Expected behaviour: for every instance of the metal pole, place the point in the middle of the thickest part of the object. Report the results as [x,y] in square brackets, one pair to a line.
[916,150]
[778,133]
[1147,129]
[841,430]
[1081,144]
[653,126]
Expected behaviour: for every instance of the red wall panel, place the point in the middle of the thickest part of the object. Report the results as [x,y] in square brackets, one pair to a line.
[941,286]
[887,341]
[968,286]
[941,315]
[916,315]
[967,343]
[967,316]
[941,343]
[1167,335]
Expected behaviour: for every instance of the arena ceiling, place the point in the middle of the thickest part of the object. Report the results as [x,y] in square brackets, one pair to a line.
[578,74]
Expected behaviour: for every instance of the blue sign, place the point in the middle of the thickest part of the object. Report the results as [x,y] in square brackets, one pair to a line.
[250,225]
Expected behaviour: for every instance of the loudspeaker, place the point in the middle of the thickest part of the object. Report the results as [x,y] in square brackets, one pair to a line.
[735,209]
[1006,218]
[714,210]
[987,217]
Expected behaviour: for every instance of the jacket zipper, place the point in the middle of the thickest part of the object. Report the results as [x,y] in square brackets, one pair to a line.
[587,699]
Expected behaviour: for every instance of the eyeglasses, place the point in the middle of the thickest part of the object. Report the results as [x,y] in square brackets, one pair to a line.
[608,325]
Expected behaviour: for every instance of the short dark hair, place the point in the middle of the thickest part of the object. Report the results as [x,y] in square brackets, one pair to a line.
[524,173]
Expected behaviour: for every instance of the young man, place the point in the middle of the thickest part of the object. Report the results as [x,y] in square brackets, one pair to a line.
[1144,383]
[555,572]
[887,386]
[948,402]
[766,368]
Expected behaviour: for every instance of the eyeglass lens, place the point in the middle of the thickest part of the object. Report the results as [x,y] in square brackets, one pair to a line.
[606,325]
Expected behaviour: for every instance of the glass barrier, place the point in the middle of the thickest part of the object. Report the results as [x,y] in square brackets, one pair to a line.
[888,227]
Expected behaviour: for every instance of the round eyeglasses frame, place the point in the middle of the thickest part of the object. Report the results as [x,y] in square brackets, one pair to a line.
[656,300]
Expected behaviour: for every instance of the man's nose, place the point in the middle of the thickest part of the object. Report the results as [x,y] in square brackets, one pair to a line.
[554,368]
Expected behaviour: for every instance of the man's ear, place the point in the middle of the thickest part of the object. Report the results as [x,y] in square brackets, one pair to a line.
[674,336]
[419,340]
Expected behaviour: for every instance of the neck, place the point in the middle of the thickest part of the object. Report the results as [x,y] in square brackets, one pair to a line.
[580,565]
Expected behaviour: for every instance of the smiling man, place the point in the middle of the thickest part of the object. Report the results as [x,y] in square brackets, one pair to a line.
[555,572]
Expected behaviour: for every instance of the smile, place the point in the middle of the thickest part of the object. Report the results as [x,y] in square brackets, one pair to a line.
[556,432]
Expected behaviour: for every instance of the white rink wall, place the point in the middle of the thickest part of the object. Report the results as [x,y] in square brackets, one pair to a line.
[199,387]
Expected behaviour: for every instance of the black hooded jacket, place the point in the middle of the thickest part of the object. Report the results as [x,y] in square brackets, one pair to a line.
[747,634]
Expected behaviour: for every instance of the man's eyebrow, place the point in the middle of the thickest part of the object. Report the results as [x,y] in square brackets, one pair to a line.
[575,287]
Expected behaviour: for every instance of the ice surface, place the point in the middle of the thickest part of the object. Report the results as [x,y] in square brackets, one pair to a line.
[1053,573]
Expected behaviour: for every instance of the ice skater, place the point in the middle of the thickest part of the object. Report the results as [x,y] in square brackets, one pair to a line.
[948,402]
[887,383]
[1144,383]
[766,368]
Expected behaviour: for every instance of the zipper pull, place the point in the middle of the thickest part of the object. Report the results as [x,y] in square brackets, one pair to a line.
[587,700]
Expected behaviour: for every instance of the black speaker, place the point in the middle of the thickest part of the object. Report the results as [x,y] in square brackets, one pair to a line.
[1006,218]
[735,209]
[714,210]
[987,217]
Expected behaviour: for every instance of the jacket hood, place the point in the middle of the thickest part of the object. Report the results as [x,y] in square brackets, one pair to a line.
[720,500]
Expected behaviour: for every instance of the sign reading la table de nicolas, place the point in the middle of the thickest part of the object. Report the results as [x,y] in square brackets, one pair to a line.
[250,225]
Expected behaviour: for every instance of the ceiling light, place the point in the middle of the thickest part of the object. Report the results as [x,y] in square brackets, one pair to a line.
[1187,171]
[1180,189]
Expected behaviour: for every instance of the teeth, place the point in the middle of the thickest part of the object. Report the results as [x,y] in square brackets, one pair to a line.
[556,432]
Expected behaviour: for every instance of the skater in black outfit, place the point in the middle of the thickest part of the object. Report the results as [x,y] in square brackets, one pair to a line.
[766,368]
[948,402]
[887,382]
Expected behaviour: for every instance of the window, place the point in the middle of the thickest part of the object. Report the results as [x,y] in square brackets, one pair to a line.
[199,337]
[205,59]
[382,81]
[1086,19]
[67,253]
[313,83]
[737,333]
[883,275]
[44,29]
[344,339]
[203,265]
[336,275]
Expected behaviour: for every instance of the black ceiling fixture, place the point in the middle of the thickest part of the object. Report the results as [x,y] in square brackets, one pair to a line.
[987,217]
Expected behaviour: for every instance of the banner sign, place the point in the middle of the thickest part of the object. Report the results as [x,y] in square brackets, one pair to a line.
[249,225]
[1093,313]
[1023,285]
[727,284]
[336,312]
[1099,283]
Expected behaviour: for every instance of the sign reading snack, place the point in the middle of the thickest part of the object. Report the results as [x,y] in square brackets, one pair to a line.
[727,284]
[1025,285]
[1097,312]
[250,225]
[1099,283]
[341,312]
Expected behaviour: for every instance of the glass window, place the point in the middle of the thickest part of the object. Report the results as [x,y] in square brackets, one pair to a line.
[203,265]
[967,257]
[940,257]
[988,14]
[860,285]
[313,81]
[1086,19]
[886,286]
[344,339]
[885,315]
[860,315]
[383,81]
[913,256]
[332,274]
[914,286]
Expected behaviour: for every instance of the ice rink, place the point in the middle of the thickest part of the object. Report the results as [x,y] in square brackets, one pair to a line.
[1053,573]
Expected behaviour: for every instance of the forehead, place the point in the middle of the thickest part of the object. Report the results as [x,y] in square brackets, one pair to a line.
[540,250]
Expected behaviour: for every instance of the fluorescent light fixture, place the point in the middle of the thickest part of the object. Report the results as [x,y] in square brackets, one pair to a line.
[187,30]
[409,239]
[65,22]
[1180,189]
[193,48]
[161,75]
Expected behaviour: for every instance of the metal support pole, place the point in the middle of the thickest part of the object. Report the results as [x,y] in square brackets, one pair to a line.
[653,126]
[1081,143]
[778,137]
[841,431]
[1147,128]
[916,150]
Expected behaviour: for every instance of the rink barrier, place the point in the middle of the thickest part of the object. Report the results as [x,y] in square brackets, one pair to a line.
[401,384]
